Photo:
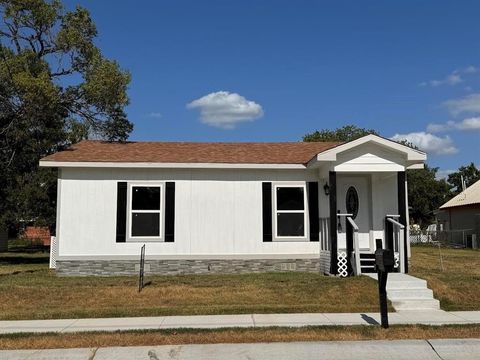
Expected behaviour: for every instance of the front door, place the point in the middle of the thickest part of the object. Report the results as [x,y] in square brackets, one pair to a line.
[353,197]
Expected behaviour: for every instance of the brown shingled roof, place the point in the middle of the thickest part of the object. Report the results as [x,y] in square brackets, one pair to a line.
[192,152]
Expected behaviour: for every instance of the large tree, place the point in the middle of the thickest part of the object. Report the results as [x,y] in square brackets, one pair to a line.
[425,194]
[470,174]
[56,87]
[345,133]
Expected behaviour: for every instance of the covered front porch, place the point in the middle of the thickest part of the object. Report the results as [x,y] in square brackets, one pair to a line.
[364,203]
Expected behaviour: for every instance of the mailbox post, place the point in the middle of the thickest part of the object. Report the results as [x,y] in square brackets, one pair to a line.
[384,262]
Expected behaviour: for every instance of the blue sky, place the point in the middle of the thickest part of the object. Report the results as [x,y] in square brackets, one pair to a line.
[276,70]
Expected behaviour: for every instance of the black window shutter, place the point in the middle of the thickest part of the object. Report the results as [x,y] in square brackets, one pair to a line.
[313,210]
[267,210]
[169,212]
[121,211]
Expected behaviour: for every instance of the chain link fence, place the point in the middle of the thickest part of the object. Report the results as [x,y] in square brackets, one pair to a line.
[465,238]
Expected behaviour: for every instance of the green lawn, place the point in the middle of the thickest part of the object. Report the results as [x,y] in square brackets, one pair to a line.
[457,286]
[28,290]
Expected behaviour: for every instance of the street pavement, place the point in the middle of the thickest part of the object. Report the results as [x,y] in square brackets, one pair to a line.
[447,349]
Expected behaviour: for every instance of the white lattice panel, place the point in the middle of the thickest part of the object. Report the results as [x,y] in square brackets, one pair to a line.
[53,252]
[397,260]
[342,263]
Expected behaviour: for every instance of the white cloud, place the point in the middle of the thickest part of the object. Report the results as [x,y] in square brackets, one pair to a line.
[466,124]
[468,104]
[470,70]
[436,128]
[226,110]
[155,115]
[472,123]
[429,143]
[452,79]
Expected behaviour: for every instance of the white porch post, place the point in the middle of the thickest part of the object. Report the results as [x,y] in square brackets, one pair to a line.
[401,250]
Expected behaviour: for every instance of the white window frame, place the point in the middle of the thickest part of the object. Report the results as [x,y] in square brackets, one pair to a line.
[161,211]
[306,234]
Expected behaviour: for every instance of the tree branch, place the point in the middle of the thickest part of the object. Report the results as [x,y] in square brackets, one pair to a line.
[13,36]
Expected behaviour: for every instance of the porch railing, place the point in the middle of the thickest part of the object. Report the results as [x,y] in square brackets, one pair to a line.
[394,235]
[353,247]
[352,237]
[325,234]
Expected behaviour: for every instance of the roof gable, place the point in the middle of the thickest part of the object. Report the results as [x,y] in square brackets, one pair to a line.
[410,153]
[470,196]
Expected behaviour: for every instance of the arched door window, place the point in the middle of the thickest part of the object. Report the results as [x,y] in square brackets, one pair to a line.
[351,200]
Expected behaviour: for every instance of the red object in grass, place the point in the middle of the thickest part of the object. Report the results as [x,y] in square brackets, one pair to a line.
[37,233]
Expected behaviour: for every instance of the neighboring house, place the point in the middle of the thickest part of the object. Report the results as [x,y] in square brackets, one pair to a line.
[230,207]
[462,214]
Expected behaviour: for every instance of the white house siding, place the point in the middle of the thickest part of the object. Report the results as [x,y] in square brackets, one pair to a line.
[218,213]
[384,202]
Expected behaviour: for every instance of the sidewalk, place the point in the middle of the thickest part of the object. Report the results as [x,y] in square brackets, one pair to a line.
[435,317]
[459,349]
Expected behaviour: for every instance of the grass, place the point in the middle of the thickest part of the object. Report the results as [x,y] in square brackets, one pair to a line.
[12,263]
[457,286]
[28,290]
[237,335]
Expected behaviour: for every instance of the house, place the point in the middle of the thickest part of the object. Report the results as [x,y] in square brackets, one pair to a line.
[460,216]
[231,207]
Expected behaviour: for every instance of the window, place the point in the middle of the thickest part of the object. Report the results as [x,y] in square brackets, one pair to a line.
[290,211]
[145,211]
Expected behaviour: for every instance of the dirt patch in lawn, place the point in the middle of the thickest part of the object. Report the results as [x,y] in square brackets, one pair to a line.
[171,337]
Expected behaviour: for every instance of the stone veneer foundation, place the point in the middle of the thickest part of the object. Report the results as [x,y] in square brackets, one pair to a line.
[178,267]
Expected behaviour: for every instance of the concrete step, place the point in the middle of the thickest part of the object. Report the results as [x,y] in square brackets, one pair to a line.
[412,287]
[405,294]
[412,284]
[410,304]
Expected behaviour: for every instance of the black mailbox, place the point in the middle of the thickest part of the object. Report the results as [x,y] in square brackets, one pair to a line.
[384,260]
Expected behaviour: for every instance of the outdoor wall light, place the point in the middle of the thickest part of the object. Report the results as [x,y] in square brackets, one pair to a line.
[326,188]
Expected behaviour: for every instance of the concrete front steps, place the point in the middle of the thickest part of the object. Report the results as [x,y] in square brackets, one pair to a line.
[407,292]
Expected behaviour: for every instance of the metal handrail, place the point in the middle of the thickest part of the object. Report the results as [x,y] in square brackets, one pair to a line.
[395,222]
[356,247]
[354,225]
[400,242]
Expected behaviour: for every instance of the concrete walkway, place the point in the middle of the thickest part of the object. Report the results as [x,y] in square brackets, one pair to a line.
[407,292]
[460,349]
[437,317]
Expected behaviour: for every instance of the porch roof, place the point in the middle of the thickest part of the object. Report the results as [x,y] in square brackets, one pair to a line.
[371,153]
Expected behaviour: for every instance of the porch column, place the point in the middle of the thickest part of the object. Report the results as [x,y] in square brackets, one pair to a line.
[402,211]
[332,180]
